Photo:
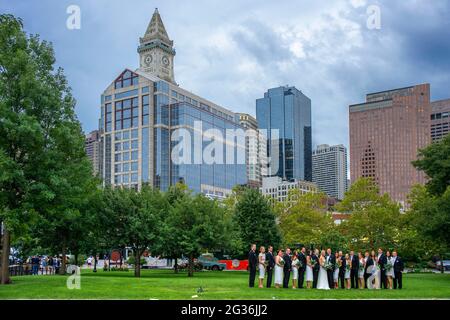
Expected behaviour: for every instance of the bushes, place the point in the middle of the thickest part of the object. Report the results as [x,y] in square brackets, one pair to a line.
[131,261]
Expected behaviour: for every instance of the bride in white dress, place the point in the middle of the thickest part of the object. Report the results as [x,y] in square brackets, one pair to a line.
[278,269]
[322,282]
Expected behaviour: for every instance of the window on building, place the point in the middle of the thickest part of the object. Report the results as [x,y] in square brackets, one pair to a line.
[126,79]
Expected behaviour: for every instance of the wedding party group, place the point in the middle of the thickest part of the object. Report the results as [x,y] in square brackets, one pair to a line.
[325,270]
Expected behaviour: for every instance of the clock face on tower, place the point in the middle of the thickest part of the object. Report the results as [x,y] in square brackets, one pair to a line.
[165,61]
[148,59]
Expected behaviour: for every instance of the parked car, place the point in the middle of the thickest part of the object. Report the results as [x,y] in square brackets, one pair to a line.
[446,265]
[209,262]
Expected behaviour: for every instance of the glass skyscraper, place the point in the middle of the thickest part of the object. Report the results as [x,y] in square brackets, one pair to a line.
[141,112]
[287,110]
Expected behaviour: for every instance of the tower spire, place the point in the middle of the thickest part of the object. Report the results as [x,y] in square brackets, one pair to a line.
[156,50]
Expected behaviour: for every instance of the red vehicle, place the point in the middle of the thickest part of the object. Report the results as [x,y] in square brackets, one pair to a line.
[235,264]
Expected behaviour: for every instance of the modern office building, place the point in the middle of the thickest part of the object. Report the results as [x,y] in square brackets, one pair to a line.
[278,189]
[285,112]
[92,146]
[386,132]
[255,143]
[154,132]
[440,119]
[330,169]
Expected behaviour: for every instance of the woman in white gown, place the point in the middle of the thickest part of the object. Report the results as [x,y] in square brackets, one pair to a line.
[309,272]
[322,282]
[376,275]
[362,264]
[279,269]
[262,265]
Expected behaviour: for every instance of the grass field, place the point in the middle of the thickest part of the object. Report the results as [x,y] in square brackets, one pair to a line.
[164,284]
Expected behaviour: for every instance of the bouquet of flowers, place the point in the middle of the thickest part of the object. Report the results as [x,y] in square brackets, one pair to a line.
[328,265]
[338,263]
[296,263]
[347,267]
[281,262]
[313,263]
[361,267]
[388,266]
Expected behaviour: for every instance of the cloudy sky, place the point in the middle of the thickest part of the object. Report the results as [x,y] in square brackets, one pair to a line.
[232,51]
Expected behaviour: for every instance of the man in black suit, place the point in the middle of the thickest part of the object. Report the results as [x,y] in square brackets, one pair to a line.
[287,267]
[252,263]
[302,269]
[332,260]
[382,260]
[316,268]
[342,269]
[398,270]
[367,271]
[270,265]
[354,270]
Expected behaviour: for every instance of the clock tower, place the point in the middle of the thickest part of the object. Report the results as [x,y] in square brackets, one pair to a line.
[156,52]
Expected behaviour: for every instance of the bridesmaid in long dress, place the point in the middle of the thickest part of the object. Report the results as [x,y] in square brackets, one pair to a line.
[278,269]
[309,272]
[362,265]
[348,267]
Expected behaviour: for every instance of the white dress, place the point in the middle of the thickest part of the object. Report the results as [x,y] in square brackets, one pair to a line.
[278,274]
[336,274]
[261,266]
[361,270]
[347,272]
[309,273]
[294,270]
[322,282]
[390,273]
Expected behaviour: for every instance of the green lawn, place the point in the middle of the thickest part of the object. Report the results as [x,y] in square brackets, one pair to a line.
[164,284]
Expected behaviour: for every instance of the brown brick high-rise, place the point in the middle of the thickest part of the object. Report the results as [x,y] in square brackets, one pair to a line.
[385,134]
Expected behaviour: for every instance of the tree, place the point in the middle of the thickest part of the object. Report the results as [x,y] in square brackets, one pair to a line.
[40,137]
[256,220]
[303,218]
[434,160]
[198,224]
[373,218]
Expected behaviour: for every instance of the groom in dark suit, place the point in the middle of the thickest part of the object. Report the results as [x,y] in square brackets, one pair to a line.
[270,265]
[330,259]
[382,261]
[354,270]
[316,268]
[287,267]
[302,269]
[252,263]
[398,270]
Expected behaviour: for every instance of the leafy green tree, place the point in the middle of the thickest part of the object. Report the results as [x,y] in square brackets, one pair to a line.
[303,218]
[41,143]
[198,224]
[374,219]
[256,220]
[434,160]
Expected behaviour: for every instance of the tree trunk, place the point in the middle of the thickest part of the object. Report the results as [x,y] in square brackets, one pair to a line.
[191,266]
[6,246]
[76,258]
[62,270]
[176,265]
[137,264]
[95,262]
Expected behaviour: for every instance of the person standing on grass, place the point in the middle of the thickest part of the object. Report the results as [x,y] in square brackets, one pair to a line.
[252,263]
[398,270]
[381,260]
[389,270]
[279,264]
[309,272]
[316,266]
[287,268]
[261,265]
[295,267]
[354,270]
[302,267]
[362,266]
[270,265]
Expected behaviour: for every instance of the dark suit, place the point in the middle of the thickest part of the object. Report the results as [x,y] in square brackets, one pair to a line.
[354,271]
[382,260]
[332,260]
[398,272]
[270,265]
[301,270]
[369,263]
[316,269]
[287,270]
[342,271]
[252,263]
